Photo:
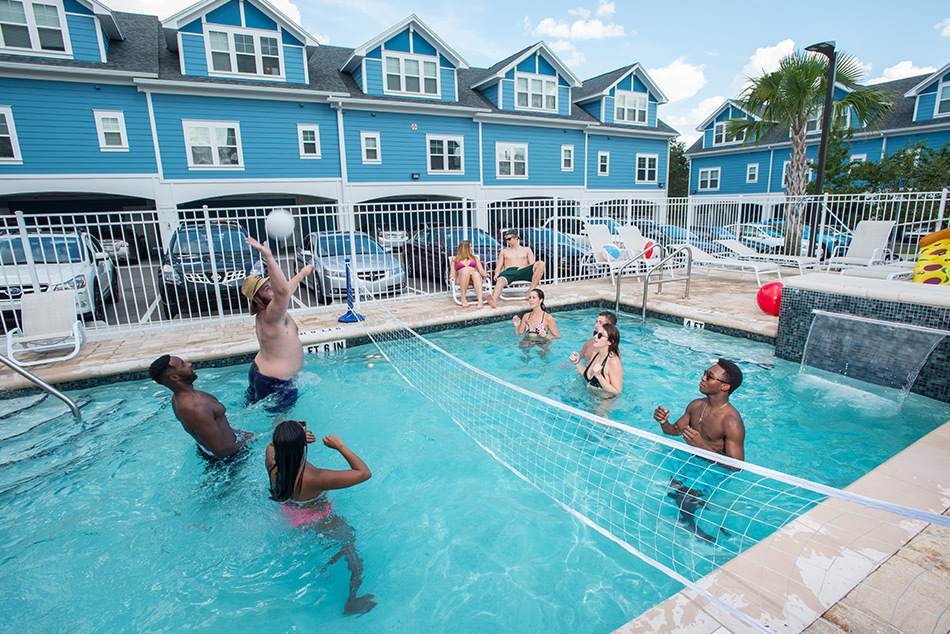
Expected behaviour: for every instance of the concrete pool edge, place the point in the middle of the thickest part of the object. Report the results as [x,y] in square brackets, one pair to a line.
[915,477]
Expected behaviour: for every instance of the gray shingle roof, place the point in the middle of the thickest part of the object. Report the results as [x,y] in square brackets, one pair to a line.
[901,116]
[484,73]
[598,84]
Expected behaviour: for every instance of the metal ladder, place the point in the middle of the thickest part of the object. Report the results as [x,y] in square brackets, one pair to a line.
[659,266]
[43,385]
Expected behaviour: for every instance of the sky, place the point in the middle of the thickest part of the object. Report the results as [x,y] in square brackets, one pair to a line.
[696,52]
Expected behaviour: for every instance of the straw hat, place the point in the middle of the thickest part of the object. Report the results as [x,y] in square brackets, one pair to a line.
[249,289]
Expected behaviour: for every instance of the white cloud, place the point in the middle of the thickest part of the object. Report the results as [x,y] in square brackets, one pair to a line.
[167,8]
[580,12]
[679,80]
[568,53]
[686,122]
[901,70]
[605,9]
[944,27]
[578,30]
[764,60]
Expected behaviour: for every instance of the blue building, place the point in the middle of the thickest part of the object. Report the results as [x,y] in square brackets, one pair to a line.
[724,166]
[229,103]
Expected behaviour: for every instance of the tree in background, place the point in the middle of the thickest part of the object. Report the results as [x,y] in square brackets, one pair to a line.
[838,163]
[678,185]
[791,96]
[914,168]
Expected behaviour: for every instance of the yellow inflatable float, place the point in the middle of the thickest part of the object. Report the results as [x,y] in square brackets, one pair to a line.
[933,261]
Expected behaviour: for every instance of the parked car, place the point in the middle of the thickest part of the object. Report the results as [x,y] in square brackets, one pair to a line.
[65,260]
[377,271]
[671,234]
[432,246]
[193,267]
[764,238]
[120,242]
[573,227]
[831,238]
[391,237]
[552,246]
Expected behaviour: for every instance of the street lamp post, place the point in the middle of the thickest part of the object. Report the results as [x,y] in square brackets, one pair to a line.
[828,50]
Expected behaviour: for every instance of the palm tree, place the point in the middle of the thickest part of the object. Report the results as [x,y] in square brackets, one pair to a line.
[791,96]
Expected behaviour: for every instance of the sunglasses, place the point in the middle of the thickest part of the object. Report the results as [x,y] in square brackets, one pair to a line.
[709,377]
[509,238]
[599,335]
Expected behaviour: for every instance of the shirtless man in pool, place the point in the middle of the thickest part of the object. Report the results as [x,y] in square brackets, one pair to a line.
[200,413]
[281,354]
[515,264]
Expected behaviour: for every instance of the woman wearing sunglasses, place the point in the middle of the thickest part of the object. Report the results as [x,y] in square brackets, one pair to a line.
[604,371]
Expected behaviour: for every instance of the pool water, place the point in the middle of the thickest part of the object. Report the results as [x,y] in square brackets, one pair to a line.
[117,524]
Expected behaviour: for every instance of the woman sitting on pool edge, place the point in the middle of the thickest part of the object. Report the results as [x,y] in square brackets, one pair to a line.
[294,480]
[604,371]
[468,269]
[539,322]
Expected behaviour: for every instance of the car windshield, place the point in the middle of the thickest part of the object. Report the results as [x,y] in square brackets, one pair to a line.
[195,241]
[332,246]
[45,250]
[478,238]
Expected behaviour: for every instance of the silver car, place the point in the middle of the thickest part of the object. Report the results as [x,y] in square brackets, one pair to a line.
[376,270]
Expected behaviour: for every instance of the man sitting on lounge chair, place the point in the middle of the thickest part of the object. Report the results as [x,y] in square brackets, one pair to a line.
[515,264]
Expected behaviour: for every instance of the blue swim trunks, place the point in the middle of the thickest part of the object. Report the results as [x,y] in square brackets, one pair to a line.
[261,386]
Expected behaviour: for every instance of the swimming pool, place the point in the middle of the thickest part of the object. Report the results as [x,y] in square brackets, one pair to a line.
[116,524]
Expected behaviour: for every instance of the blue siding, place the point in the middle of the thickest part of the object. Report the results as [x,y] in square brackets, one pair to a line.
[639,86]
[447,83]
[593,109]
[398,42]
[926,105]
[192,27]
[510,74]
[376,53]
[623,161]
[229,14]
[708,136]
[373,82]
[733,169]
[610,111]
[564,100]
[529,65]
[934,139]
[491,93]
[105,43]
[421,46]
[254,18]
[545,68]
[56,128]
[268,136]
[544,155]
[445,63]
[293,64]
[287,38]
[651,111]
[624,84]
[71,6]
[507,94]
[871,147]
[403,150]
[82,37]
[357,75]
[193,54]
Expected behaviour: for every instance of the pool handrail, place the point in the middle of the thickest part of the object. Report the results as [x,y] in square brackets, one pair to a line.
[43,385]
[661,267]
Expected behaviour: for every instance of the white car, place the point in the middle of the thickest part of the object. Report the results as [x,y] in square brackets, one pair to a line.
[763,238]
[573,227]
[62,261]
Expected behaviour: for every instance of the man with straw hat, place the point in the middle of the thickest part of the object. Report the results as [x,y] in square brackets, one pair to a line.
[281,354]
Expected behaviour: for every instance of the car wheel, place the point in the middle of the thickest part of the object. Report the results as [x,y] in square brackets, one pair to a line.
[98,306]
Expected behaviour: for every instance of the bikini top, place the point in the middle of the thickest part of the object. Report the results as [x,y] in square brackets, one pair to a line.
[461,265]
[540,330]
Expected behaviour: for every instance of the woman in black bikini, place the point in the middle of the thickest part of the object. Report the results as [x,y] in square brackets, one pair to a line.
[604,371]
[539,321]
[302,486]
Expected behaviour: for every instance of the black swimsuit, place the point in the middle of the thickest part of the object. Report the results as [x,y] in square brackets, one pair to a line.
[593,381]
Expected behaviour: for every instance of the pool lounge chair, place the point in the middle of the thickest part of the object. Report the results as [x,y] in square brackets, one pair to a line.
[745,252]
[49,324]
[707,261]
[600,237]
[868,245]
[635,243]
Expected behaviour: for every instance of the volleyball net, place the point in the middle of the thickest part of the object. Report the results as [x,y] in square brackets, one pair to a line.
[758,550]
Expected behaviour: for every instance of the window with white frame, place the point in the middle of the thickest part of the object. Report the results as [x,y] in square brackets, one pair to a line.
[709,179]
[810,176]
[9,147]
[512,160]
[237,52]
[411,74]
[110,125]
[308,138]
[631,107]
[27,25]
[369,142]
[859,158]
[720,136]
[446,154]
[943,99]
[535,92]
[603,163]
[646,167]
[752,173]
[841,119]
[567,158]
[213,144]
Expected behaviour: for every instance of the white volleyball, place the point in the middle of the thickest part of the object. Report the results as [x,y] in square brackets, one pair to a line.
[279,224]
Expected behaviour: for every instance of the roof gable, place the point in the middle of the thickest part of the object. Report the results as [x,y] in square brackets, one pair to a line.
[411,32]
[937,76]
[257,14]
[498,71]
[105,16]
[728,103]
[600,86]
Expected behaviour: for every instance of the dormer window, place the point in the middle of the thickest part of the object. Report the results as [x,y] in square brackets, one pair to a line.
[535,92]
[631,107]
[412,74]
[235,52]
[720,137]
[32,26]
[943,99]
[843,120]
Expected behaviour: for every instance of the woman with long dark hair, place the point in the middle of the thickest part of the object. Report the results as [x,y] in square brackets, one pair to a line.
[604,371]
[302,486]
[539,322]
